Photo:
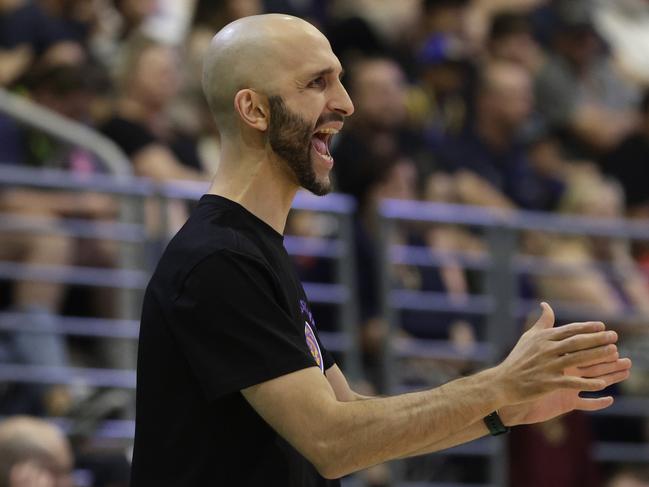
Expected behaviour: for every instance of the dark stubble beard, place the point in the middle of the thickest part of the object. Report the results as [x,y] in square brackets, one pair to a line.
[289,136]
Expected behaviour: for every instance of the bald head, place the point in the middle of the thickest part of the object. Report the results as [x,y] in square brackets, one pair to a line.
[258,52]
[505,93]
[24,439]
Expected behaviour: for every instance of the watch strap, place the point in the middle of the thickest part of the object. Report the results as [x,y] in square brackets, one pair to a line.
[495,425]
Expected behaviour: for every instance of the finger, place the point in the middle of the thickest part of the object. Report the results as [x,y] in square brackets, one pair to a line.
[581,384]
[547,317]
[594,403]
[615,377]
[604,368]
[565,331]
[585,341]
[586,357]
[608,359]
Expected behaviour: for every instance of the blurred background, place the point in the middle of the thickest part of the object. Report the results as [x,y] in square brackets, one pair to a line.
[498,156]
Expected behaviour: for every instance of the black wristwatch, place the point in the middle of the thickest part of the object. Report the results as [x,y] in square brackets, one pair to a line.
[495,425]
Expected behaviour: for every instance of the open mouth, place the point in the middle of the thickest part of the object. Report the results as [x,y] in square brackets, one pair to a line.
[321,141]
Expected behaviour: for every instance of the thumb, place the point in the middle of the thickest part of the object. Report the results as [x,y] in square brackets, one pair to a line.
[547,317]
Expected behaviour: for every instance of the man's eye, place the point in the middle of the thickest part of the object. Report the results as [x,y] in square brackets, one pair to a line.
[319,82]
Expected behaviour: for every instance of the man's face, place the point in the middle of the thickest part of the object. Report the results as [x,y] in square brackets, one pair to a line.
[156,78]
[292,138]
[510,97]
[307,109]
[380,94]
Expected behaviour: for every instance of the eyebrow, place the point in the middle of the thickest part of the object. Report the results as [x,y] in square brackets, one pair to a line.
[326,71]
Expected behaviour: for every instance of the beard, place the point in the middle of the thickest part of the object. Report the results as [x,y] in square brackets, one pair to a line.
[290,136]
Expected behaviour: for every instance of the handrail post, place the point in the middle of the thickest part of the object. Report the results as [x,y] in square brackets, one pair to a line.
[501,285]
[349,316]
[388,362]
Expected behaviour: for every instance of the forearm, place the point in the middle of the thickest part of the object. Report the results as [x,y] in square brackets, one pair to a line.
[376,430]
[472,432]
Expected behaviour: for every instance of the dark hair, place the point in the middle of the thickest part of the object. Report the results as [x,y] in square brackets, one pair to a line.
[507,23]
[437,4]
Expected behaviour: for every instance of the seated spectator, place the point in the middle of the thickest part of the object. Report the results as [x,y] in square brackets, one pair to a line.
[148,82]
[615,287]
[489,158]
[629,164]
[63,89]
[440,101]
[580,90]
[378,130]
[28,33]
[511,38]
[482,13]
[33,453]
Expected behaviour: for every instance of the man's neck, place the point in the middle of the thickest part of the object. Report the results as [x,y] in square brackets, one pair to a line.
[257,183]
[495,135]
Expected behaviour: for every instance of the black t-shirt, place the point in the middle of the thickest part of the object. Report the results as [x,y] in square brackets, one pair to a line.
[132,136]
[224,310]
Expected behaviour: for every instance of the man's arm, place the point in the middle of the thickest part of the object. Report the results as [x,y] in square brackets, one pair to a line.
[340,386]
[343,437]
[542,409]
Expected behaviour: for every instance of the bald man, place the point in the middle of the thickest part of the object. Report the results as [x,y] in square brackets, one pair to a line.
[33,453]
[234,386]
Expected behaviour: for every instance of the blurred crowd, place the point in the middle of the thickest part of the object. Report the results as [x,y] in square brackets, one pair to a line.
[506,104]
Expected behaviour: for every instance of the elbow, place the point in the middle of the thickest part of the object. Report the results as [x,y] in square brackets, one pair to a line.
[324,457]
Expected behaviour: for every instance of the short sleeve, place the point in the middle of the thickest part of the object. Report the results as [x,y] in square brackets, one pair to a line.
[130,137]
[231,326]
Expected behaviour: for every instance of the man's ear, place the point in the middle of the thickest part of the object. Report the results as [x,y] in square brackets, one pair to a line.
[252,109]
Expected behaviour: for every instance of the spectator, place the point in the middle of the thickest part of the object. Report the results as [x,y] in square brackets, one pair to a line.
[629,164]
[140,126]
[377,131]
[617,287]
[65,90]
[27,34]
[440,103]
[33,453]
[579,90]
[489,158]
[511,38]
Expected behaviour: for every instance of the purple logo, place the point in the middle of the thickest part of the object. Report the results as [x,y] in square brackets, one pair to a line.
[312,343]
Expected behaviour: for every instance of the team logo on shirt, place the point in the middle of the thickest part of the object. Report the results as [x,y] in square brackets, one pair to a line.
[312,343]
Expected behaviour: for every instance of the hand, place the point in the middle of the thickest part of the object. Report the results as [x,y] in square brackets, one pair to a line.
[537,364]
[564,401]
[30,474]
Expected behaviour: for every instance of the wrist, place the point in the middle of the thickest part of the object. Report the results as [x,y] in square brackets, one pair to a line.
[496,385]
[509,416]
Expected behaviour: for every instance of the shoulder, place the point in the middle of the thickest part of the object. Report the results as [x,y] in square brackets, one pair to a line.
[213,255]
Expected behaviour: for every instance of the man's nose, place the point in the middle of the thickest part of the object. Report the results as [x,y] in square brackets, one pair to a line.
[341,102]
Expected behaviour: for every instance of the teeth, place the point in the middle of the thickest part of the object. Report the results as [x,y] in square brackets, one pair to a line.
[327,131]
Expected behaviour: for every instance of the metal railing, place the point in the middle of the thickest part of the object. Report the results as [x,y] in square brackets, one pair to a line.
[501,264]
[132,281]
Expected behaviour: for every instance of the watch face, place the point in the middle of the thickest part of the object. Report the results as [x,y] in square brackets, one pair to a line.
[495,424]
